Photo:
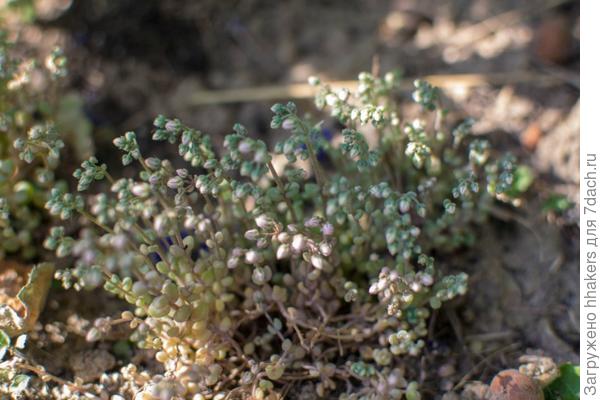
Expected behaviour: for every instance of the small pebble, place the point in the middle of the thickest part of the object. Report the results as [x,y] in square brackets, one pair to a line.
[554,41]
[512,385]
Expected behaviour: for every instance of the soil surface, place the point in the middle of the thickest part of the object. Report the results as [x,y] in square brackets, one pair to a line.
[131,60]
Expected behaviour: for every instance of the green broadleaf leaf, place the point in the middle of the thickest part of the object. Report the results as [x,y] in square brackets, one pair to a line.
[566,386]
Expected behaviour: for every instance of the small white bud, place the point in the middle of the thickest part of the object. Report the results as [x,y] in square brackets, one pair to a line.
[252,234]
[364,115]
[283,251]
[174,182]
[331,99]
[404,206]
[317,261]
[233,262]
[298,243]
[261,275]
[427,280]
[253,257]
[288,124]
[343,94]
[140,189]
[377,116]
[119,241]
[245,147]
[328,229]
[374,288]
[263,222]
[407,298]
[204,189]
[189,222]
[415,286]
[325,249]
[283,237]
[203,226]
[160,223]
[261,157]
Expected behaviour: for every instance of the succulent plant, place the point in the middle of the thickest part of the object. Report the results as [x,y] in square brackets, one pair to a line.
[29,148]
[251,269]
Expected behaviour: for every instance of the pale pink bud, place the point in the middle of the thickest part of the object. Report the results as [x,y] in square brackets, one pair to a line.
[298,243]
[283,251]
[328,229]
[288,124]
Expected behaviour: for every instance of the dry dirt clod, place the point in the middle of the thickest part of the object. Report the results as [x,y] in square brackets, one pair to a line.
[510,384]
[91,364]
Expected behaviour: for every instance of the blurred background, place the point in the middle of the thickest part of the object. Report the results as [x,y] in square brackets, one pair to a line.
[130,60]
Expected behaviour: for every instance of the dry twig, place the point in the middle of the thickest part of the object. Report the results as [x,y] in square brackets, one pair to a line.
[305,91]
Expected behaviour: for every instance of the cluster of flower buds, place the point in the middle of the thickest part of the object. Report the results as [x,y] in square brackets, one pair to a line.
[399,291]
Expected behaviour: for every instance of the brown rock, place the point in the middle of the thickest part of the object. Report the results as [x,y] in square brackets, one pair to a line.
[554,41]
[531,136]
[512,385]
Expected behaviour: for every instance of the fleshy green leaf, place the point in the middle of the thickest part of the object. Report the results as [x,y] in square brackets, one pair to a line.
[566,386]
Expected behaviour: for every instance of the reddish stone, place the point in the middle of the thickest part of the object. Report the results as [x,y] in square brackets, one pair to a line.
[512,385]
